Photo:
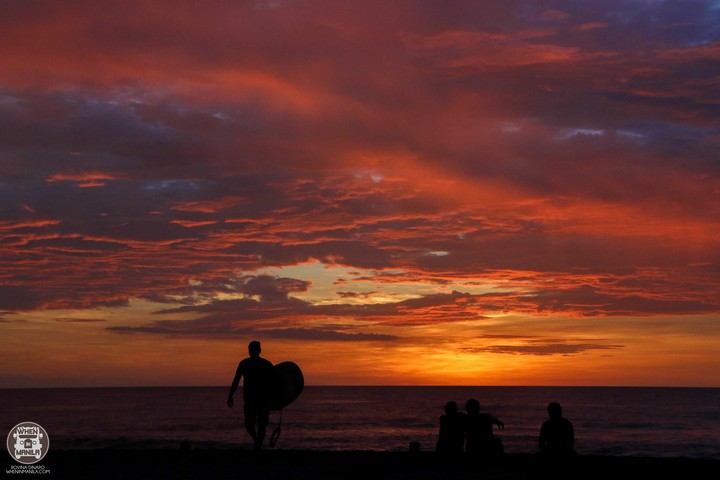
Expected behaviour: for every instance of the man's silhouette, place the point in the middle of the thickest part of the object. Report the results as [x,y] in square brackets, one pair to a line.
[451,439]
[480,442]
[557,435]
[257,392]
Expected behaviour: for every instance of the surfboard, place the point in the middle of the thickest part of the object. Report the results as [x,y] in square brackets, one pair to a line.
[289,384]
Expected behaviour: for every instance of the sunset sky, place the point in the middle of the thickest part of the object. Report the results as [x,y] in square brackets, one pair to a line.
[385,192]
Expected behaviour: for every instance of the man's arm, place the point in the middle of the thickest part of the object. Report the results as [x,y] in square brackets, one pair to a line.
[497,422]
[234,385]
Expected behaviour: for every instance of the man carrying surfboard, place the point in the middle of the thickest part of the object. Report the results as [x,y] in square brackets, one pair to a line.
[257,392]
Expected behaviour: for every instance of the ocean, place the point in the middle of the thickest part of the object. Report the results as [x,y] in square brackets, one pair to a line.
[659,422]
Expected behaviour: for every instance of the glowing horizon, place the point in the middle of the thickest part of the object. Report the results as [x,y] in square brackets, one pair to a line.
[483,194]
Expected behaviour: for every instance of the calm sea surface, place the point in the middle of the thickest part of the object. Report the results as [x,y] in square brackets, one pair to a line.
[664,422]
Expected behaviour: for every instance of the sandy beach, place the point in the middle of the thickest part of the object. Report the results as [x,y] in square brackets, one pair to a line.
[365,465]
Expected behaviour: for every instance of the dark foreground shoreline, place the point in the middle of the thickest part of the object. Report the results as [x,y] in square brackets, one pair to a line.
[343,465]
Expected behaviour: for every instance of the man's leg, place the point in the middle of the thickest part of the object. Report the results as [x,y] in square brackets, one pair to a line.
[250,415]
[263,417]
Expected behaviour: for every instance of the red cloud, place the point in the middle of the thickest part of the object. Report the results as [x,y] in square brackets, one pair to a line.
[553,153]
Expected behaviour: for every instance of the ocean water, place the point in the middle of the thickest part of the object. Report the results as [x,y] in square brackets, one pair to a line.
[663,422]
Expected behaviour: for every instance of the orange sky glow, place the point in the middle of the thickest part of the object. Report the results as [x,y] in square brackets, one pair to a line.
[387,193]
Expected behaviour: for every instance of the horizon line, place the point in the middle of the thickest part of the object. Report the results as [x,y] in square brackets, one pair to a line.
[364,386]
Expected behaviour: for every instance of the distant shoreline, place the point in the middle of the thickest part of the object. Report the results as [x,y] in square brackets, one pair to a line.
[187,463]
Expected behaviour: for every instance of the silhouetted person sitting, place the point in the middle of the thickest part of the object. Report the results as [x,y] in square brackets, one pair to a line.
[257,392]
[451,439]
[481,442]
[557,436]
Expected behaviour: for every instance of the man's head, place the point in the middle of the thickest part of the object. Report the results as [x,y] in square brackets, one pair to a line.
[254,348]
[554,410]
[472,406]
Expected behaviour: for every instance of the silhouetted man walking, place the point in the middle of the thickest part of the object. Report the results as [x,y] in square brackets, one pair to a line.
[257,392]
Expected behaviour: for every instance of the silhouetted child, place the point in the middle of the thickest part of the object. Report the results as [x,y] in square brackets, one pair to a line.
[557,436]
[481,442]
[451,439]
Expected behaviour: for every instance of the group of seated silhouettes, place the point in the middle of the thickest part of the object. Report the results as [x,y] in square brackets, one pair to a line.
[472,432]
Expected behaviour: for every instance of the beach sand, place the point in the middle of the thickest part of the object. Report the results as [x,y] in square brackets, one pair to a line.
[344,465]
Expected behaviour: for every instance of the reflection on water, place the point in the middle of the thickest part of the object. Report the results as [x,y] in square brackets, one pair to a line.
[618,421]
